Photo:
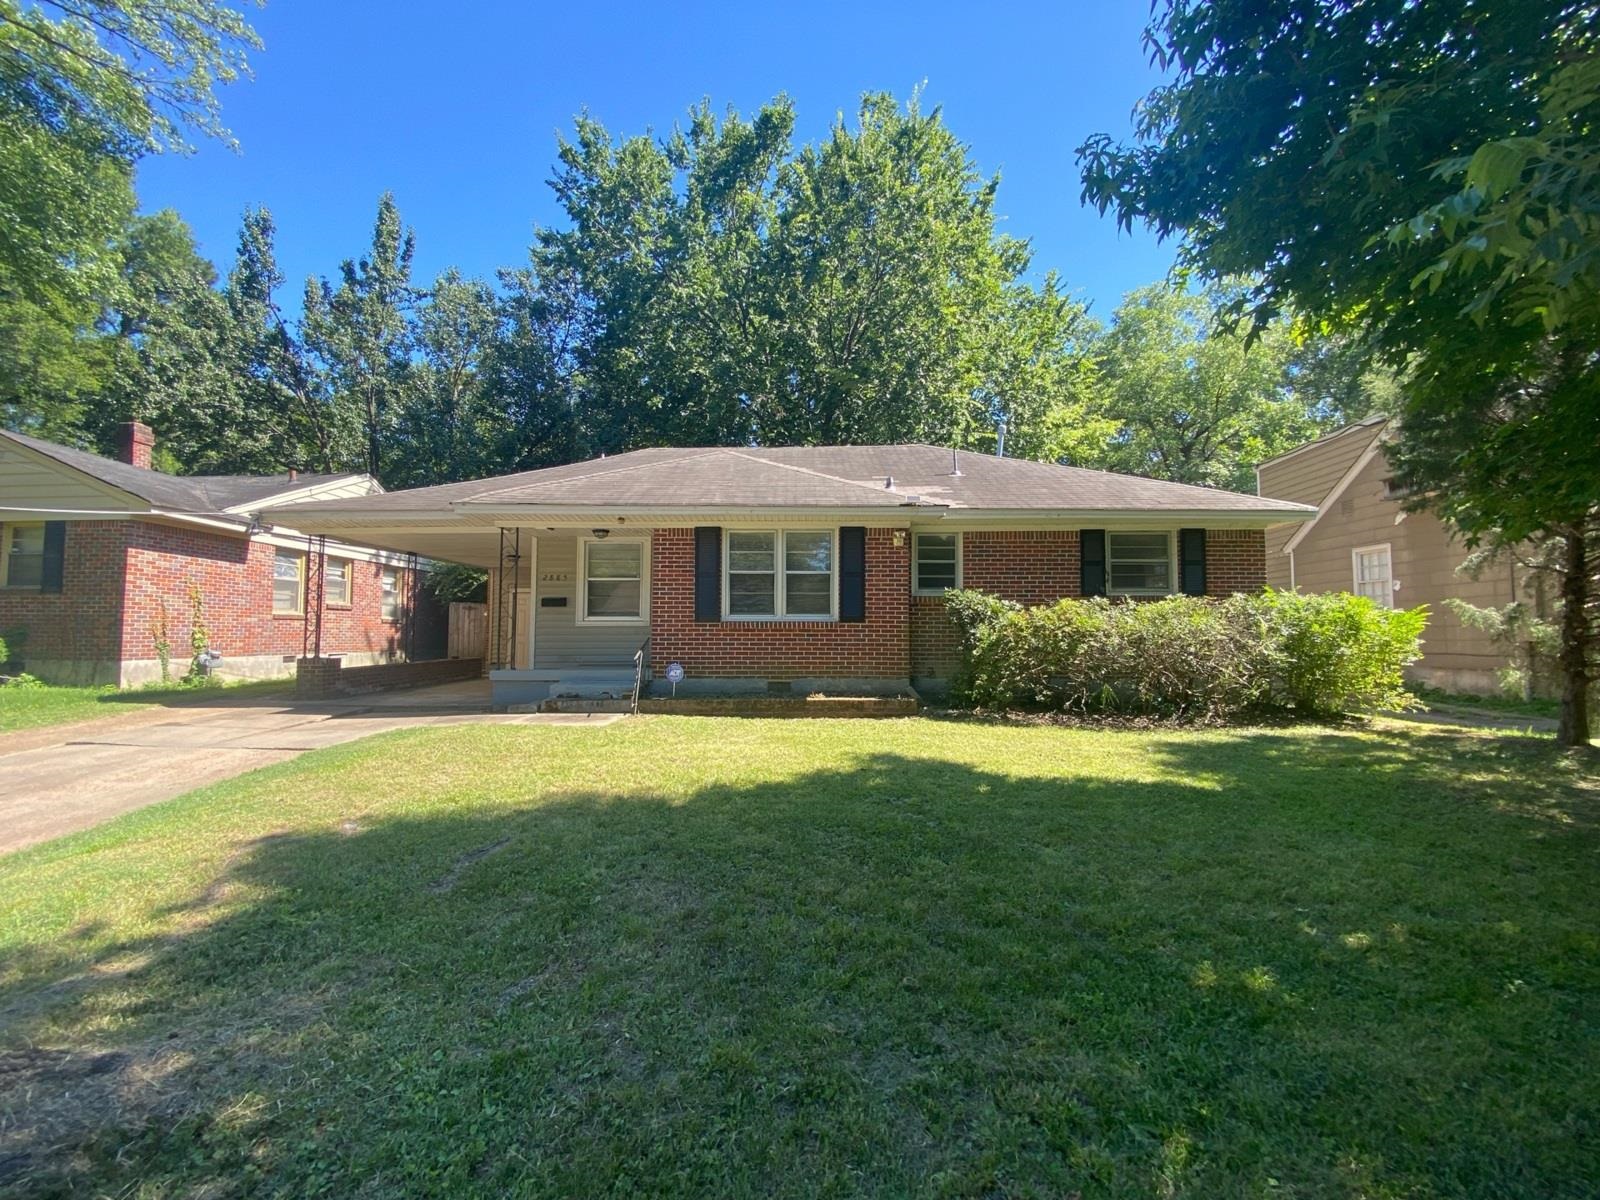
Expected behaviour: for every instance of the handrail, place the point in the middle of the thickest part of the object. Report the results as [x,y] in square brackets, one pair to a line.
[639,656]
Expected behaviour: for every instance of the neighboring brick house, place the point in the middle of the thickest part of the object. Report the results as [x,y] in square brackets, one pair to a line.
[800,568]
[1363,540]
[97,554]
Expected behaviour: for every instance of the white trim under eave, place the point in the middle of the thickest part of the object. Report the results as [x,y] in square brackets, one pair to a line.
[1338,491]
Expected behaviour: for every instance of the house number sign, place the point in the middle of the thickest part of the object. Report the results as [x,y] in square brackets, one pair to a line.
[555,577]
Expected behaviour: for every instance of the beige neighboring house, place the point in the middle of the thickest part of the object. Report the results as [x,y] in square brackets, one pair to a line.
[1362,540]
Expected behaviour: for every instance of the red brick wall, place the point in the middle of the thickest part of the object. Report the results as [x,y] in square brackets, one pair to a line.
[1033,566]
[235,581]
[1236,561]
[935,653]
[876,648]
[116,574]
[83,623]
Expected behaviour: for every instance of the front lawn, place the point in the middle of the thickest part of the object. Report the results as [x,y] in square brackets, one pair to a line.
[820,958]
[43,704]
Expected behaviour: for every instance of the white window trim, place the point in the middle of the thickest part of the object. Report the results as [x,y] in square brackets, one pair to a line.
[644,581]
[299,610]
[961,541]
[1355,569]
[5,555]
[1172,565]
[780,584]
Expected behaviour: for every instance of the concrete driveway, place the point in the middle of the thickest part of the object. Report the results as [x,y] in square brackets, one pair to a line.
[54,782]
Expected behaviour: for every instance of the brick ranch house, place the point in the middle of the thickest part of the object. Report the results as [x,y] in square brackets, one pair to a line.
[93,550]
[794,569]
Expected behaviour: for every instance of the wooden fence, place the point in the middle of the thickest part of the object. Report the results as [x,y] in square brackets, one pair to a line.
[469,630]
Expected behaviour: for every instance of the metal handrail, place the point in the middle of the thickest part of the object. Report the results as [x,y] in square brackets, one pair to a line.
[639,656]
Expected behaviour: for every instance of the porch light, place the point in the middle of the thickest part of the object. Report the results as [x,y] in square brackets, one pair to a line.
[601,534]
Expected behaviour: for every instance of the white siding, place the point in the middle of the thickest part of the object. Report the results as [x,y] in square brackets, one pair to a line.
[559,639]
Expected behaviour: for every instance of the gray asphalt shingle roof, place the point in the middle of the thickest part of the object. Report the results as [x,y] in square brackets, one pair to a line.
[209,494]
[813,477]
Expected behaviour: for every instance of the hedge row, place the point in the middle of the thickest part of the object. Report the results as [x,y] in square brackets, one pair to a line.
[1187,657]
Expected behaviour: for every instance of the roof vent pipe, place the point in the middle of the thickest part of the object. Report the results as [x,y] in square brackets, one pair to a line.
[1000,438]
[888,484]
[955,463]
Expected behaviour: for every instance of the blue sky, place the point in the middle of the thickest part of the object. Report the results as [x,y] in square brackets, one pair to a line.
[455,108]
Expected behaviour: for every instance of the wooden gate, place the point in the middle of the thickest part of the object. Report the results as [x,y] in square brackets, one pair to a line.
[469,630]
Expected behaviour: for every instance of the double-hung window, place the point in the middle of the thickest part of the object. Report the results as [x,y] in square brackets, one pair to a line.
[1139,564]
[23,565]
[389,593]
[613,581]
[288,582]
[780,573]
[1374,574]
[336,582]
[937,563]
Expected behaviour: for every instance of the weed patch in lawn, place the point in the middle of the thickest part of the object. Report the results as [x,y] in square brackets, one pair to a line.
[750,958]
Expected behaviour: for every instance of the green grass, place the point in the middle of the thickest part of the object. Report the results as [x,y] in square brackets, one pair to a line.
[820,958]
[33,706]
[1536,707]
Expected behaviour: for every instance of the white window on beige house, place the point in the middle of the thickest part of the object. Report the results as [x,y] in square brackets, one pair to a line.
[1374,575]
[288,582]
[614,589]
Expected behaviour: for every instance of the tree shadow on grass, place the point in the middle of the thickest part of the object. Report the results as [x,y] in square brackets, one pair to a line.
[1326,966]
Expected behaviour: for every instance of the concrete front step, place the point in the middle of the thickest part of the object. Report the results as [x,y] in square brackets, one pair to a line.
[570,704]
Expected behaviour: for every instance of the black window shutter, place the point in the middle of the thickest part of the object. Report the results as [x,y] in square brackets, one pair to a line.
[853,573]
[708,573]
[1192,561]
[52,571]
[1092,544]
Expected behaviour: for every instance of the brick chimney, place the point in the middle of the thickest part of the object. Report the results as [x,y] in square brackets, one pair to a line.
[135,442]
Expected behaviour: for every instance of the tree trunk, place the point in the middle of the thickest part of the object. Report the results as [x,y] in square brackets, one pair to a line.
[1574,728]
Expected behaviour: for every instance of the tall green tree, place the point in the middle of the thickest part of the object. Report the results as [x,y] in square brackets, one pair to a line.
[287,415]
[449,425]
[1337,147]
[87,87]
[720,286]
[1196,402]
[360,332]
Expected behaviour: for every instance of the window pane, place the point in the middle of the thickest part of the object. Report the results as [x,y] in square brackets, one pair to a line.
[1141,577]
[752,595]
[613,598]
[286,581]
[27,539]
[1138,547]
[336,581]
[751,551]
[809,595]
[25,570]
[936,561]
[808,551]
[613,562]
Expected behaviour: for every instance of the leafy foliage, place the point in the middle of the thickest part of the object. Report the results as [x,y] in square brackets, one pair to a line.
[1423,176]
[1186,656]
[87,87]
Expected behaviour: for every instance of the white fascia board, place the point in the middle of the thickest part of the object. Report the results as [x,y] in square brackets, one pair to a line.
[306,493]
[1121,518]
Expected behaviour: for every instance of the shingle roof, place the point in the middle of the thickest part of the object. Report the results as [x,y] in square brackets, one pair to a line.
[209,494]
[847,477]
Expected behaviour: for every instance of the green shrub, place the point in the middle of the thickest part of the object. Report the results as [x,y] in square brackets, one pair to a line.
[5,651]
[1184,656]
[1336,652]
